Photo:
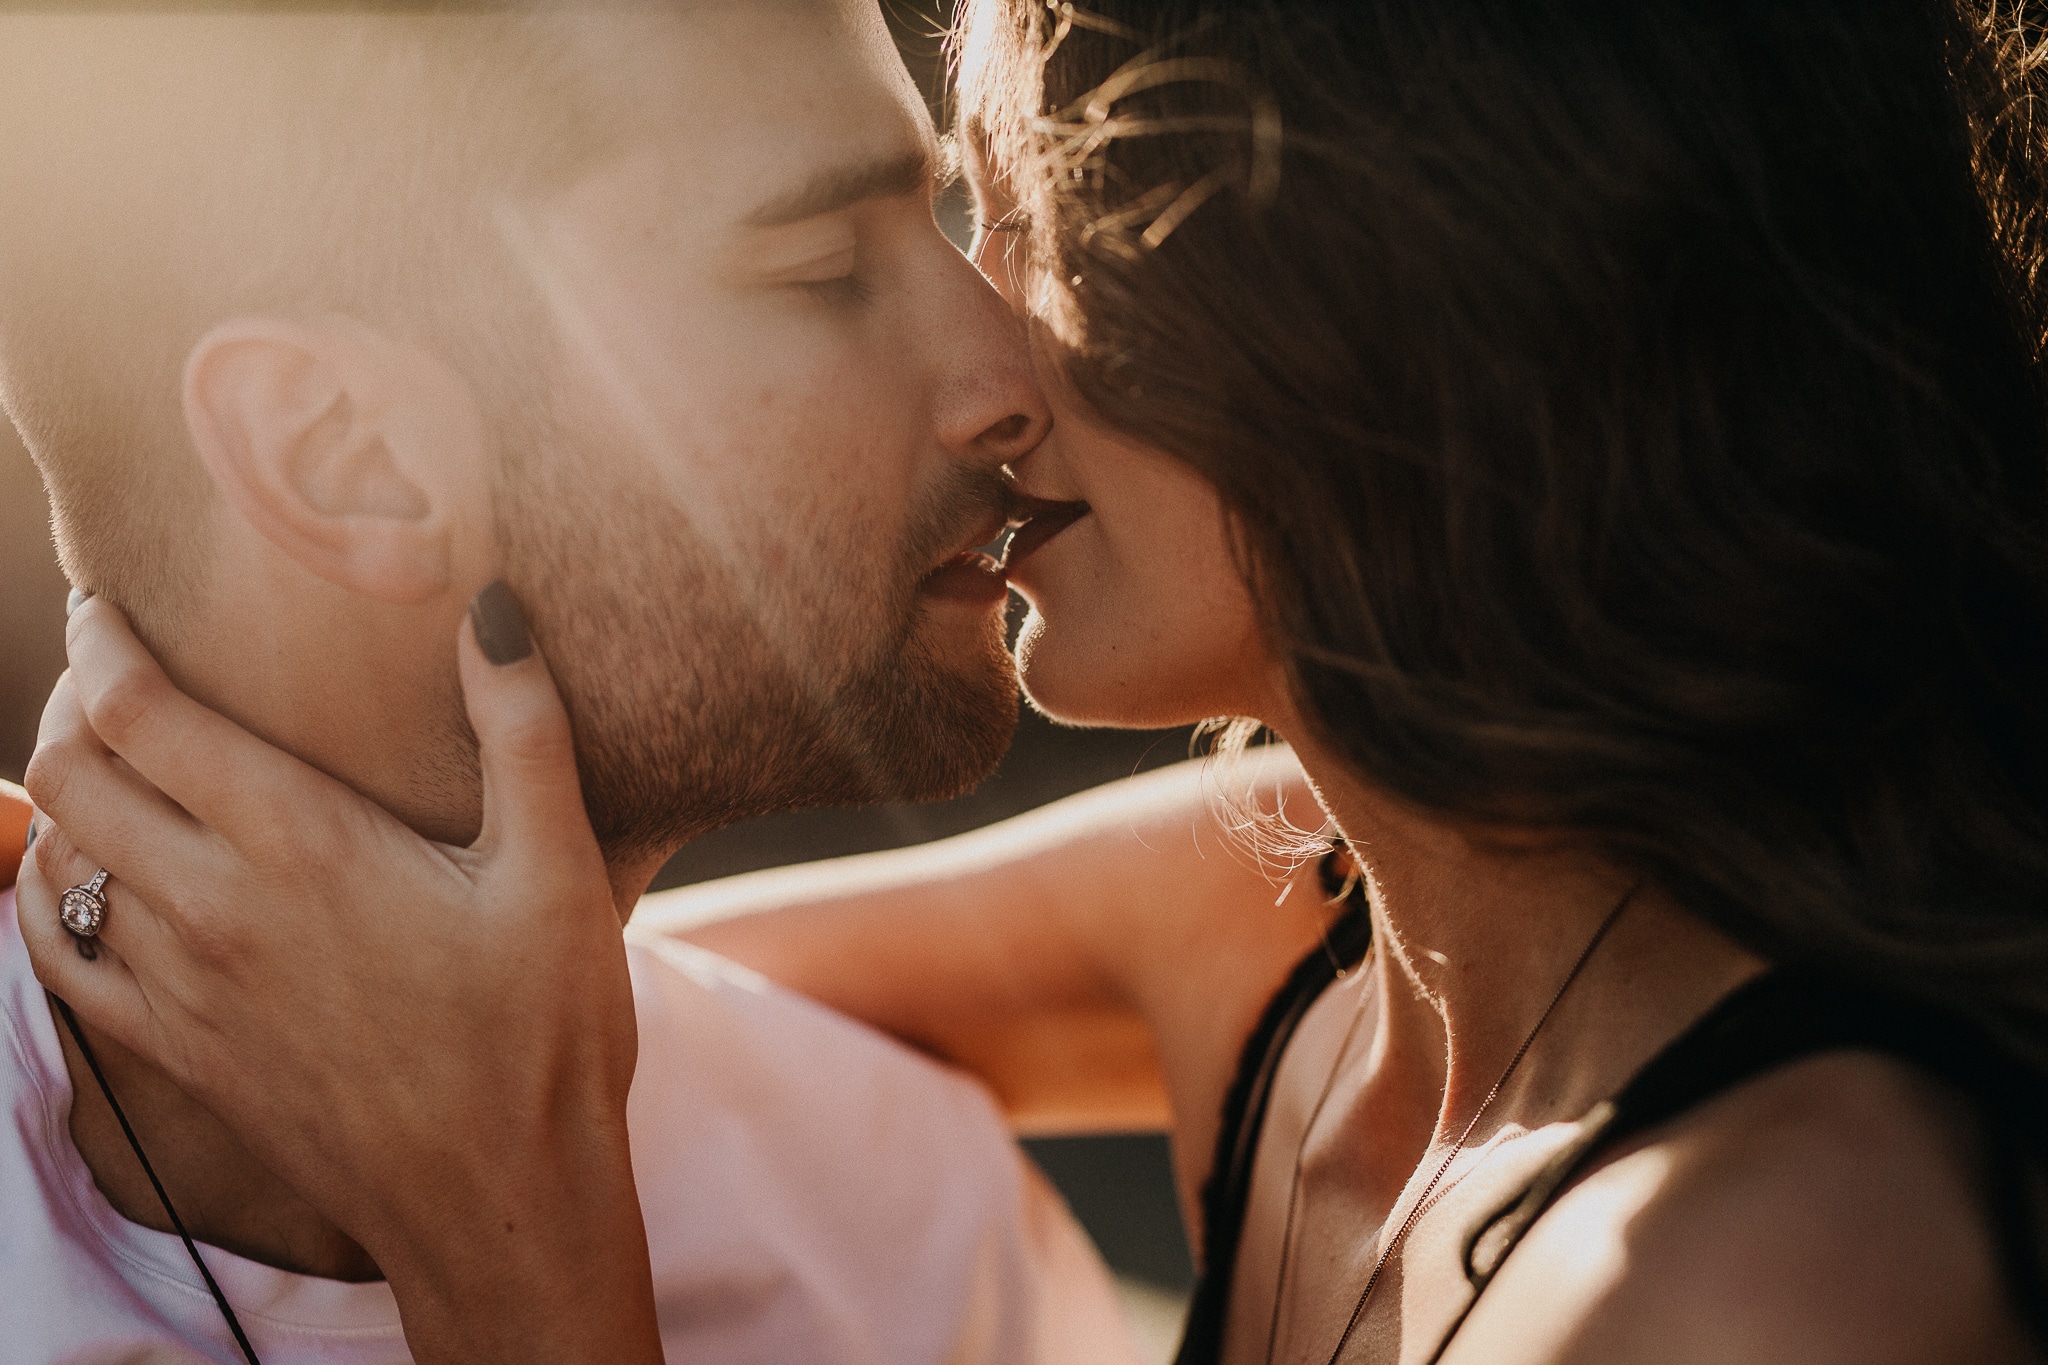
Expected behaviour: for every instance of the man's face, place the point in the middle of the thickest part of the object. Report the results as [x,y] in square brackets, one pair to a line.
[779,401]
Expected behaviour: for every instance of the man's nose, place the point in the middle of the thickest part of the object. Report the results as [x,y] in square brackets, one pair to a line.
[990,406]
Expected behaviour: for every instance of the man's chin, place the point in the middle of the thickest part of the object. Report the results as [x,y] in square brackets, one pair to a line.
[985,739]
[927,721]
[945,722]
[937,716]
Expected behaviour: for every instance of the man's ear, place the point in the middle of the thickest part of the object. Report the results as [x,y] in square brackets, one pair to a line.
[351,453]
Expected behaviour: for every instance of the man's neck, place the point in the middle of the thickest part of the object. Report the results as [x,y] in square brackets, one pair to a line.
[317,707]
[371,698]
[223,1194]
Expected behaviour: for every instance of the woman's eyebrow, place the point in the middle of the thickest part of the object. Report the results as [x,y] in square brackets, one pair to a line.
[840,187]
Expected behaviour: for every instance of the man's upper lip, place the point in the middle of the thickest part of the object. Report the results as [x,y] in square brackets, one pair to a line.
[986,531]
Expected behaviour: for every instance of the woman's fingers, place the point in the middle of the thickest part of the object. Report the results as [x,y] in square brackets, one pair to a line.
[15,813]
[61,864]
[100,987]
[105,807]
[533,799]
[227,778]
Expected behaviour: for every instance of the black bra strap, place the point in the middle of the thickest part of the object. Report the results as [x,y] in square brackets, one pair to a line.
[1228,1189]
[1782,1017]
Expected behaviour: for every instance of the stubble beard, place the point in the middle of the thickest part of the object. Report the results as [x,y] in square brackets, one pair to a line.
[695,708]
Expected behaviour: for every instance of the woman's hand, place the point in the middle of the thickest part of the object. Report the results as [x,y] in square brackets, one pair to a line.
[14,817]
[432,1044]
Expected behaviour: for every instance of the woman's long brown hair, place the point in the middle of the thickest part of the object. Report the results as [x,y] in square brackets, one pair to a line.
[1630,412]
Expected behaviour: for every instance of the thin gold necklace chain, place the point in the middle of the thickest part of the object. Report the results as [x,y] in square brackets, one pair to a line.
[1422,1200]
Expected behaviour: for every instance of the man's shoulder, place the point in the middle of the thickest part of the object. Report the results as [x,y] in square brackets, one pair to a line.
[811,1185]
[683,992]
[1826,1211]
[721,1045]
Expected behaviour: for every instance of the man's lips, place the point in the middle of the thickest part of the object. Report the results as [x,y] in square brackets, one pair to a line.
[976,576]
[969,576]
[1037,520]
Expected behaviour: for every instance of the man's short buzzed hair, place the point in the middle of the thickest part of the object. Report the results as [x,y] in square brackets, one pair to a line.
[166,172]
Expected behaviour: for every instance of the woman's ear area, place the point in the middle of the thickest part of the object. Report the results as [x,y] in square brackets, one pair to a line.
[354,454]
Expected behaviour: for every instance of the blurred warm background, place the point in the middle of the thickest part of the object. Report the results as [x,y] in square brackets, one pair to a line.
[1119,1185]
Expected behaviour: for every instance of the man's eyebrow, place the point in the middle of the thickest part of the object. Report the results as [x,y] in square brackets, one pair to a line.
[844,186]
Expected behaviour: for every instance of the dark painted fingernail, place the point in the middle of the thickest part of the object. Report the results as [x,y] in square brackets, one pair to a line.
[500,625]
[27,847]
[75,601]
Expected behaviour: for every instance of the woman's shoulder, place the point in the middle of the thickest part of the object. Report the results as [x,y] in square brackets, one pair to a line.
[1829,1209]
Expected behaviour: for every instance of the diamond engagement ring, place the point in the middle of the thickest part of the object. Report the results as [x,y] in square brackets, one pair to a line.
[84,908]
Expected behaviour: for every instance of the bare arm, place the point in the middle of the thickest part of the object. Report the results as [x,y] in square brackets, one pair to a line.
[1098,963]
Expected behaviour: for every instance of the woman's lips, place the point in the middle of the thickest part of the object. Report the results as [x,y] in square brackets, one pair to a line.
[1041,521]
[972,576]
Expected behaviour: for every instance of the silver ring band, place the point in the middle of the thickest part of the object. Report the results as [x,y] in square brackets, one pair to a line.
[84,908]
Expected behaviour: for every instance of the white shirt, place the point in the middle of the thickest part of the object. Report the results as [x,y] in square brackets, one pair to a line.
[813,1193]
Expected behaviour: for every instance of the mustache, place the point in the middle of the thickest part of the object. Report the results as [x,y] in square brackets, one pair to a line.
[965,497]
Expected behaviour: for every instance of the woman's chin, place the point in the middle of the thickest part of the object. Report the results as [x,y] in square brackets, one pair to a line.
[1061,706]
[1096,684]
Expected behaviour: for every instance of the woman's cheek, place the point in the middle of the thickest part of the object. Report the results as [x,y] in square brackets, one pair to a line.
[1079,668]
[1140,617]
[1148,643]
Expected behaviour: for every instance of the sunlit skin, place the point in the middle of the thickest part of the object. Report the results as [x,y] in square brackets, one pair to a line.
[1099,930]
[833,363]
[783,358]
[1170,633]
[1099,969]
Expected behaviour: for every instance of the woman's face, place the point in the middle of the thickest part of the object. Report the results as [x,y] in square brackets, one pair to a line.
[1139,616]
